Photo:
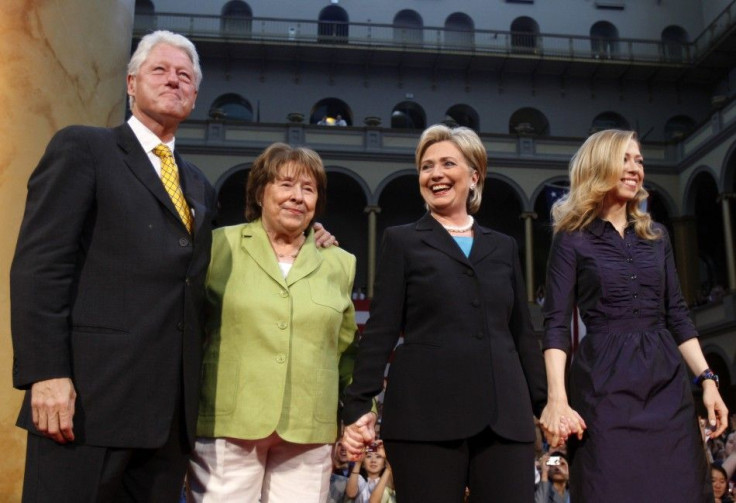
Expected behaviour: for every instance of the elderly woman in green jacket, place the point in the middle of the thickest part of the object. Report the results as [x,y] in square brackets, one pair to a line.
[280,319]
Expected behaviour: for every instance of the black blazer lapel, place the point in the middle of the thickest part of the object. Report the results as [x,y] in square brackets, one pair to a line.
[484,244]
[433,234]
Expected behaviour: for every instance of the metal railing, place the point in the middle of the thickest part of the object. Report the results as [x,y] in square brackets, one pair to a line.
[720,26]
[430,39]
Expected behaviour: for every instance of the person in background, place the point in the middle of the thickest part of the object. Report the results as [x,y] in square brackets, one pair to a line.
[371,481]
[463,387]
[554,475]
[341,468]
[721,491]
[629,389]
[279,319]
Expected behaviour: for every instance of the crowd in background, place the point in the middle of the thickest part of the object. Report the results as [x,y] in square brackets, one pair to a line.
[370,479]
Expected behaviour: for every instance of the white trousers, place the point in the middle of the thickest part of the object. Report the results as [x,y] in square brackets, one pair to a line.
[268,470]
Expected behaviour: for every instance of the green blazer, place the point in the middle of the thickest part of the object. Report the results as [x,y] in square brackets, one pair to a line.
[274,345]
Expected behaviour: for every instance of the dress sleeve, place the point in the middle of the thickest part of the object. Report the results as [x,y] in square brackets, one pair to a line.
[560,298]
[676,310]
[381,332]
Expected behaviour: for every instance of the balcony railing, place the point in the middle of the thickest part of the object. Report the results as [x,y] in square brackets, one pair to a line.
[390,37]
[721,26]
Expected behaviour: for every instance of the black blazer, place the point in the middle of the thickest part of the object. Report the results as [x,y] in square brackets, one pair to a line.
[107,287]
[470,358]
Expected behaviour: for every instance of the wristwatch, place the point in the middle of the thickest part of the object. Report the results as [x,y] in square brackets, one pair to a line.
[707,374]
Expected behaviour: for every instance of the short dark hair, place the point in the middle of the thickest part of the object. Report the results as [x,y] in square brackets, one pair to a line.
[266,168]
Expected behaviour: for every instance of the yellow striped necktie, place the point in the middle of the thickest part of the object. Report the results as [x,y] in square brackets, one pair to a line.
[170,179]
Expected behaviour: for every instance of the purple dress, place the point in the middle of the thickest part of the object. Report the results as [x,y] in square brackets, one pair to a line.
[627,380]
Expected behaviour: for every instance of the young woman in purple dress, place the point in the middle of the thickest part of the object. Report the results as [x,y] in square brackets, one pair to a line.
[630,416]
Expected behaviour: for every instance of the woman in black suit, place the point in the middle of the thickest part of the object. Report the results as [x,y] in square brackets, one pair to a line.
[464,385]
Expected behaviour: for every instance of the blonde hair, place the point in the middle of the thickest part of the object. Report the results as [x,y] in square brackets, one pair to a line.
[469,144]
[595,169]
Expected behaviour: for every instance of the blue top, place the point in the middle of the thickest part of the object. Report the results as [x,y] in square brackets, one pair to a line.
[465,243]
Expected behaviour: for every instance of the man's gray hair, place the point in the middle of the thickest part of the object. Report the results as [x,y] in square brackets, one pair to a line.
[150,41]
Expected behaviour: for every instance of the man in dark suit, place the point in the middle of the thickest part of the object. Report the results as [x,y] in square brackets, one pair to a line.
[107,295]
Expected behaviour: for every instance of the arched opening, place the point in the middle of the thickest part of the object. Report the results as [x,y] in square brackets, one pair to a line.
[464,115]
[408,115]
[674,43]
[329,112]
[501,209]
[333,25]
[408,26]
[710,238]
[604,40]
[528,122]
[145,15]
[231,107]
[400,202]
[678,127]
[231,198]
[237,18]
[524,34]
[345,218]
[459,31]
[608,120]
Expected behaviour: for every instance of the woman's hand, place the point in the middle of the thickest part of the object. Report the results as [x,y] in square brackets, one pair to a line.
[359,434]
[559,421]
[717,410]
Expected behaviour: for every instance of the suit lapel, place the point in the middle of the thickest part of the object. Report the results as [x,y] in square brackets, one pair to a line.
[139,163]
[254,242]
[433,234]
[308,260]
[483,244]
[437,237]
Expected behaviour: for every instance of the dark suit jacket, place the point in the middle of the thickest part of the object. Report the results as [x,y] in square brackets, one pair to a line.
[107,287]
[470,358]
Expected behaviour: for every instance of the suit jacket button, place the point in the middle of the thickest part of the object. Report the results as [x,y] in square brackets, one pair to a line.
[469,272]
[476,303]
[479,334]
[280,358]
[282,325]
[180,326]
[183,242]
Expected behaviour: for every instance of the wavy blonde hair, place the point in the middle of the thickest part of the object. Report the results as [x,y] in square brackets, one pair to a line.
[595,169]
[469,144]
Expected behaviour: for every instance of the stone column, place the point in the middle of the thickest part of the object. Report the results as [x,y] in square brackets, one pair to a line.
[685,246]
[63,63]
[529,217]
[372,212]
[725,200]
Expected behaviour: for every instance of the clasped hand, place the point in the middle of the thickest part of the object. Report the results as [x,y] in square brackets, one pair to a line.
[359,434]
[559,421]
